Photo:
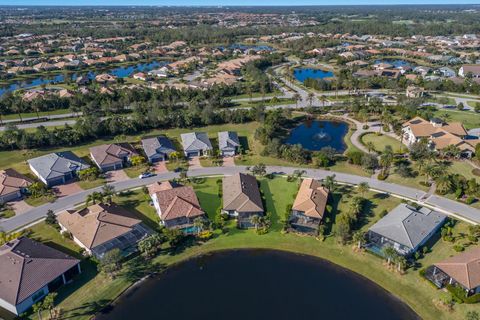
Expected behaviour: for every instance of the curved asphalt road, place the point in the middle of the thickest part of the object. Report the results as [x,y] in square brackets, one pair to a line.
[450,207]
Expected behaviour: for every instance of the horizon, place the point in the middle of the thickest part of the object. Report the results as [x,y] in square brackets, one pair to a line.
[225,3]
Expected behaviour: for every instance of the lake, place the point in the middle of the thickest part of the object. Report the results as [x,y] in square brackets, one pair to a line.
[315,134]
[258,284]
[120,72]
[301,74]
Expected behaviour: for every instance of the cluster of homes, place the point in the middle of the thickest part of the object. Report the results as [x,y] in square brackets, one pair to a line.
[61,167]
[439,135]
[30,270]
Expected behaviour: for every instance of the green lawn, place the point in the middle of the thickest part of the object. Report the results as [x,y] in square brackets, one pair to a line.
[35,202]
[463,168]
[97,290]
[135,171]
[380,141]
[85,185]
[469,119]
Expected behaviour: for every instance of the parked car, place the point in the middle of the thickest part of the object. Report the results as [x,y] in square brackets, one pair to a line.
[146,175]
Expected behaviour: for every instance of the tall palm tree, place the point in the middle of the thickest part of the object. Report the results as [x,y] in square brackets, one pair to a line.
[108,191]
[255,220]
[363,188]
[329,182]
[198,224]
[310,98]
[370,146]
[389,253]
[359,238]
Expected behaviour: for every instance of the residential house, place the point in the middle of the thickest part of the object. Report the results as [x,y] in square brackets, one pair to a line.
[57,168]
[438,134]
[461,270]
[414,92]
[158,148]
[29,271]
[309,207]
[405,228]
[112,156]
[472,69]
[12,185]
[241,198]
[176,205]
[196,144]
[228,143]
[100,228]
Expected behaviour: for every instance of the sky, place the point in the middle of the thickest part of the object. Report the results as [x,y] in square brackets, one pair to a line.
[229,2]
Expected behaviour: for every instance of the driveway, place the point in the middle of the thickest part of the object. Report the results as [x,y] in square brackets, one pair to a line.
[228,161]
[160,167]
[66,189]
[194,163]
[116,176]
[20,206]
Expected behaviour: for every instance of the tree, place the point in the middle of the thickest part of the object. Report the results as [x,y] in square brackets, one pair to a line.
[199,224]
[110,263]
[137,160]
[259,169]
[94,197]
[297,97]
[389,253]
[329,183]
[108,191]
[37,189]
[38,308]
[363,188]
[49,302]
[359,238]
[370,146]
[150,245]
[310,98]
[51,218]
[255,220]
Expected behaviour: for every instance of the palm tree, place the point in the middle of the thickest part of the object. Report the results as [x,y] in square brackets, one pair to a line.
[198,224]
[359,238]
[401,262]
[363,188]
[323,99]
[255,220]
[329,182]
[108,191]
[297,97]
[310,98]
[94,197]
[370,146]
[38,308]
[389,253]
[444,183]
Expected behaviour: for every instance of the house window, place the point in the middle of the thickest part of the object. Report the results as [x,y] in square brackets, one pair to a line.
[38,295]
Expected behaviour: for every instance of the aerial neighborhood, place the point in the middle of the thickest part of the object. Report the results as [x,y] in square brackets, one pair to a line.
[134,139]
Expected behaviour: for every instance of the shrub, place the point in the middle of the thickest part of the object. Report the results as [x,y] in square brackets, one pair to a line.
[460,296]
[382,176]
[365,127]
[470,200]
[205,235]
[355,157]
[383,213]
[458,248]
[476,172]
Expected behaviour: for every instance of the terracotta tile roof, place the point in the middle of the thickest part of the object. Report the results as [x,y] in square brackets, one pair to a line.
[464,268]
[26,266]
[241,193]
[12,181]
[98,223]
[112,153]
[176,202]
[311,198]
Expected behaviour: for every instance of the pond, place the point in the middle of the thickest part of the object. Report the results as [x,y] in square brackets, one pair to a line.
[301,74]
[315,134]
[258,284]
[396,63]
[120,72]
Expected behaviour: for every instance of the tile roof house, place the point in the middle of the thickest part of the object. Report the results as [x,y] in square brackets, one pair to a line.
[176,205]
[228,143]
[241,198]
[30,270]
[405,228]
[438,134]
[12,185]
[112,156]
[195,144]
[57,168]
[473,69]
[100,228]
[158,149]
[462,270]
[309,207]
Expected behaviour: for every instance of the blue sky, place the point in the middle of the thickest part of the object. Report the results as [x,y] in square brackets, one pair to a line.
[229,2]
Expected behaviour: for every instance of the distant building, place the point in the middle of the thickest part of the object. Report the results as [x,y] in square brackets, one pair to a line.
[414,92]
[466,69]
[29,271]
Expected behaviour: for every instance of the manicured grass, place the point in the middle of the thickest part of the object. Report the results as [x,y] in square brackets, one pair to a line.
[380,141]
[48,235]
[35,202]
[34,114]
[135,171]
[409,182]
[469,119]
[7,213]
[207,193]
[345,167]
[278,193]
[173,165]
[139,202]
[85,185]
[463,168]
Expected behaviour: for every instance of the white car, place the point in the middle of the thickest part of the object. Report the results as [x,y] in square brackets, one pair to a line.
[146,175]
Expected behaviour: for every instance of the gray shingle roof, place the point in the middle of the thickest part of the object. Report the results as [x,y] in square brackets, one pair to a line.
[408,226]
[228,140]
[57,164]
[195,141]
[158,145]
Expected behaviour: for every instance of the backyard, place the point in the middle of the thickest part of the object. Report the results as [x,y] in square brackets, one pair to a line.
[95,290]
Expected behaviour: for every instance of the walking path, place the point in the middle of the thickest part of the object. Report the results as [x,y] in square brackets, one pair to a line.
[450,207]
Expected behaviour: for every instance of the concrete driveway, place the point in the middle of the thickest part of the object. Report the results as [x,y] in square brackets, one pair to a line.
[20,206]
[66,189]
[228,162]
[116,176]
[160,167]
[194,163]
